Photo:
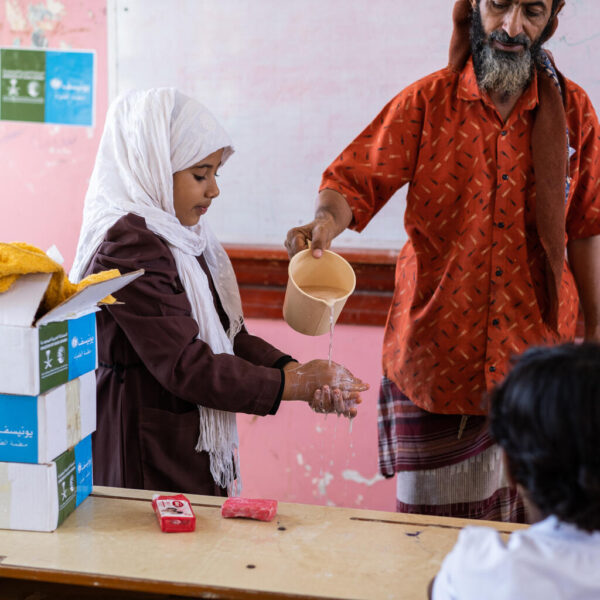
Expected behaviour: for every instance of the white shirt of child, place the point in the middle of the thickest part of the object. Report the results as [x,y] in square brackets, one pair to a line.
[550,560]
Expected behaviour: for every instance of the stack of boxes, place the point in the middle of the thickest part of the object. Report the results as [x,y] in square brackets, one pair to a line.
[47,401]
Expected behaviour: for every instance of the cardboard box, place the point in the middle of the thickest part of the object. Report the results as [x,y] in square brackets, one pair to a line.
[36,429]
[41,497]
[36,356]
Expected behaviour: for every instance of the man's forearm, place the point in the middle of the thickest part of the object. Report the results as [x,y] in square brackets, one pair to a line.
[332,204]
[584,259]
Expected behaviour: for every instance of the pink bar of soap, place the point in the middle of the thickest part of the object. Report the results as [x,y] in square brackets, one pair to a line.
[259,508]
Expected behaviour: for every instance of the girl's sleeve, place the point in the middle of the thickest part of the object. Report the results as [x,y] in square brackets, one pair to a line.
[258,351]
[155,316]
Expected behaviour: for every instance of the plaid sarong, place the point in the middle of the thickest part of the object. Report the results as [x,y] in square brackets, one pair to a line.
[412,439]
[447,465]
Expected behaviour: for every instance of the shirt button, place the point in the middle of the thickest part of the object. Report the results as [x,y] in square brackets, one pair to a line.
[505,177]
[501,225]
[495,322]
[498,272]
[492,369]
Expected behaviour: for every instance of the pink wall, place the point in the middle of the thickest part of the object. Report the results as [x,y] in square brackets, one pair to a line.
[45,168]
[300,456]
[297,455]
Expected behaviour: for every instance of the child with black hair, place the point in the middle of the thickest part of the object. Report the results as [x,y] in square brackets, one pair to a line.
[546,417]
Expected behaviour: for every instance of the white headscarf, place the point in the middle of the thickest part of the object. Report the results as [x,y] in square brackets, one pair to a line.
[150,135]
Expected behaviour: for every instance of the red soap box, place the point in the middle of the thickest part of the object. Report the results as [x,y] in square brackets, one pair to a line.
[174,513]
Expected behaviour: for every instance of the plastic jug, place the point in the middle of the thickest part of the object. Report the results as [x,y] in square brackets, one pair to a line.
[317,290]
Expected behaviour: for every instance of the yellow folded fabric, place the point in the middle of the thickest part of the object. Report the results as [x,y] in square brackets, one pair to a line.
[19,258]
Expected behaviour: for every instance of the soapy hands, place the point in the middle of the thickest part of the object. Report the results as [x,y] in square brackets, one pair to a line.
[327,387]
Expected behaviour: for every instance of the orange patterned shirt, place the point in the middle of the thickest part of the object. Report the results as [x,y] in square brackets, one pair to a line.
[470,287]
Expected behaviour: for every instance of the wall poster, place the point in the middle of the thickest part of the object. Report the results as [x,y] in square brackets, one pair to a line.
[47,86]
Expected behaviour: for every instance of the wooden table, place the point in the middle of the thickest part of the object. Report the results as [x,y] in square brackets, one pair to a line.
[112,547]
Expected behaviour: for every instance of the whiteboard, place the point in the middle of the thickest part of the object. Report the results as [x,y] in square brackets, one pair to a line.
[294,81]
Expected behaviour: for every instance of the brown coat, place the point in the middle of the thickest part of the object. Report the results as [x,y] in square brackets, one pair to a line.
[154,371]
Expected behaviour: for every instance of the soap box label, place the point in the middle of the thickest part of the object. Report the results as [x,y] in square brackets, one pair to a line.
[67,350]
[66,477]
[83,462]
[54,357]
[18,428]
[82,345]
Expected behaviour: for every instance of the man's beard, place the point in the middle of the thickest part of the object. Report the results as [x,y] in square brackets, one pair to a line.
[506,73]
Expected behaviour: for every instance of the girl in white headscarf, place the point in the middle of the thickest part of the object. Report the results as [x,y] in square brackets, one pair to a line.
[176,362]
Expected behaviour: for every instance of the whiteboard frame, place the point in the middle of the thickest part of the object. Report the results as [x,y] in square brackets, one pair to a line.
[577,13]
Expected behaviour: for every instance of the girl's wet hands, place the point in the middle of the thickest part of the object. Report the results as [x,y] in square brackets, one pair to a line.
[327,387]
[326,400]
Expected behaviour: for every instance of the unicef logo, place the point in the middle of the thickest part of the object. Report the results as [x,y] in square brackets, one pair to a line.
[56,83]
[74,342]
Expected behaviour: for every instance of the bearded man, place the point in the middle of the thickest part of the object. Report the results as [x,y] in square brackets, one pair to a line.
[502,159]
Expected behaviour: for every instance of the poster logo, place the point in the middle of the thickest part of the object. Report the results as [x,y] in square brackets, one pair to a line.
[47,86]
